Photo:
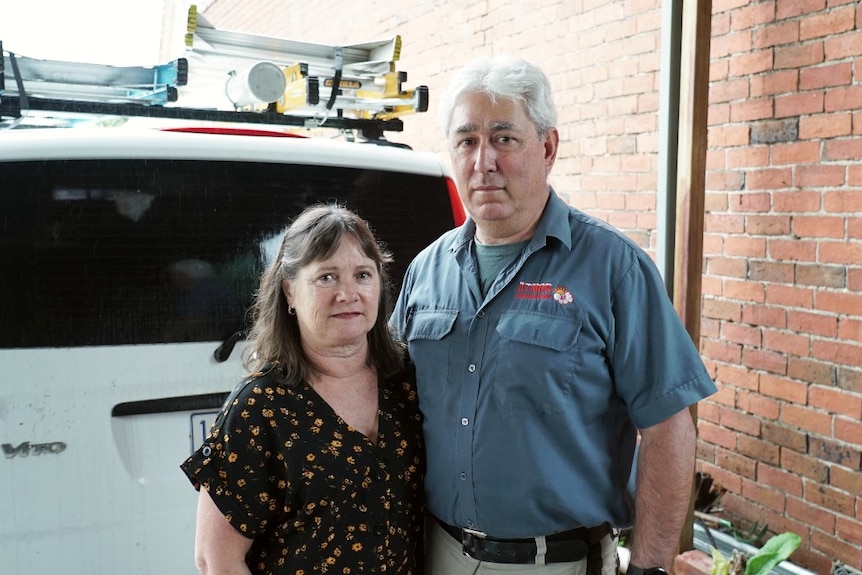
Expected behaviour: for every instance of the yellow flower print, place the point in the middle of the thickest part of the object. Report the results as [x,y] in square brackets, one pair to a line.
[232,457]
[357,547]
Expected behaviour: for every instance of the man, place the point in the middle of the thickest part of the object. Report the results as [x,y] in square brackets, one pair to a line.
[544,342]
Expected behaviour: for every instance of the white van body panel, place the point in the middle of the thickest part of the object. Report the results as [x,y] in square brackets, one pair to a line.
[89,488]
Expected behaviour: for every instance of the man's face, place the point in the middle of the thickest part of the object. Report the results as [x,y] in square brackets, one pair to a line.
[501,166]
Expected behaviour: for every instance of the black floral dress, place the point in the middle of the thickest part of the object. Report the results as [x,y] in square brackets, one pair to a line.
[315,495]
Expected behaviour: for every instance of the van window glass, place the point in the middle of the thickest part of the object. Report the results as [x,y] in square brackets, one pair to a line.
[113,252]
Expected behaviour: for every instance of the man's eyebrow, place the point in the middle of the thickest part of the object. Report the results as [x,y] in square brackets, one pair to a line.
[495,127]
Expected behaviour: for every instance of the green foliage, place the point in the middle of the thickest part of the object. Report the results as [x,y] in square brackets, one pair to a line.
[773,552]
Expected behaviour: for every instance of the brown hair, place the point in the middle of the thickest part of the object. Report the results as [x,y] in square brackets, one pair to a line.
[315,235]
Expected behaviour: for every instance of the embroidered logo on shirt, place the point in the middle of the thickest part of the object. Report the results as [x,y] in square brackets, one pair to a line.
[527,290]
[563,296]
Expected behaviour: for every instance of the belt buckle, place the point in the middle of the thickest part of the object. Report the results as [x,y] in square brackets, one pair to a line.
[467,537]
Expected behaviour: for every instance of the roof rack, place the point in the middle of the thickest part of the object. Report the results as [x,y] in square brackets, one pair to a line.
[225,76]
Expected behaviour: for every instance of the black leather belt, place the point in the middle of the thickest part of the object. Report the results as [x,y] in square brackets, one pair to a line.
[563,547]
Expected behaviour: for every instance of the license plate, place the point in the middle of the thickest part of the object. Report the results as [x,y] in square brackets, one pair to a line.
[200,423]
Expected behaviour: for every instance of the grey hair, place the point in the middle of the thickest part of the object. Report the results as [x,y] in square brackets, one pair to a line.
[506,77]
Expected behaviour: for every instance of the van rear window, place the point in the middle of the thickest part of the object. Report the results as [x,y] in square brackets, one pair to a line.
[116,252]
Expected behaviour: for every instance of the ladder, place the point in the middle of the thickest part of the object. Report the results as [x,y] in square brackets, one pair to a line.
[224,76]
[290,76]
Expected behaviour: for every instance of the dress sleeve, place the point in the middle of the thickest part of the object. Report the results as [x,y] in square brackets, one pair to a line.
[238,464]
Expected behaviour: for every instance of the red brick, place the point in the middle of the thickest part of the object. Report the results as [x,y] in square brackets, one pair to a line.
[840,353]
[826,24]
[729,267]
[722,351]
[786,342]
[850,531]
[825,325]
[790,296]
[785,436]
[838,99]
[735,462]
[838,150]
[793,250]
[842,253]
[727,136]
[843,46]
[850,379]
[724,223]
[780,479]
[843,201]
[850,329]
[799,56]
[758,450]
[758,405]
[716,435]
[822,126]
[725,180]
[854,173]
[767,271]
[824,496]
[784,389]
[741,334]
[721,309]
[750,202]
[818,226]
[744,291]
[694,562]
[769,498]
[806,418]
[799,104]
[750,63]
[811,371]
[749,110]
[831,451]
[764,360]
[813,176]
[854,280]
[790,8]
[729,44]
[767,225]
[820,275]
[826,76]
[745,246]
[736,375]
[794,153]
[779,82]
[836,549]
[810,514]
[768,179]
[764,315]
[835,401]
[804,466]
[775,34]
[849,480]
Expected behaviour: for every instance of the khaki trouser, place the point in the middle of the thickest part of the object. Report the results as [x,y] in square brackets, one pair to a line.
[443,556]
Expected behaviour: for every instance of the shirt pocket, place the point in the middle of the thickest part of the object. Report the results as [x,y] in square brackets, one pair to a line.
[429,348]
[536,362]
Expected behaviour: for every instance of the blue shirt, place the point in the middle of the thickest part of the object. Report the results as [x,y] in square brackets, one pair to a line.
[532,395]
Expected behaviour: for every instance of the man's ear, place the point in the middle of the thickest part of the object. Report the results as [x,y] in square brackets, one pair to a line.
[552,146]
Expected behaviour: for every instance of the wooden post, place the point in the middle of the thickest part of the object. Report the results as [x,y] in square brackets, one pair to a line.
[690,182]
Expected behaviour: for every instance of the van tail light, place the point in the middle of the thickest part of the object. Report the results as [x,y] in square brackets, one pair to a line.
[458,212]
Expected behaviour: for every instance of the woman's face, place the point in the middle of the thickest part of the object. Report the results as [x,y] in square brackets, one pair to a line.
[336,299]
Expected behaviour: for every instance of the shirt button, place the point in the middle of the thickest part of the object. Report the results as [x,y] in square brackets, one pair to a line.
[463,476]
[465,421]
[481,314]
[381,474]
[470,523]
[379,529]
[471,368]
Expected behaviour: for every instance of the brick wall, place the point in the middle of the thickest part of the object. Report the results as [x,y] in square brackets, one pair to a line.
[782,284]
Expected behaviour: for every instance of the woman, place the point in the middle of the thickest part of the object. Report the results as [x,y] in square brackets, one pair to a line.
[315,463]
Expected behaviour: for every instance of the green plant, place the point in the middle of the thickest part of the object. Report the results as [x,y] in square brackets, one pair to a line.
[773,552]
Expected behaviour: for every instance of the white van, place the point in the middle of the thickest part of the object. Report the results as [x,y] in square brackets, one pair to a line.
[128,259]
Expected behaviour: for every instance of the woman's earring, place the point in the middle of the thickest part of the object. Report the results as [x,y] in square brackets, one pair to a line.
[291,310]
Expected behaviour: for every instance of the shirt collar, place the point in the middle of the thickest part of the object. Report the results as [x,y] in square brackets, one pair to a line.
[554,223]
